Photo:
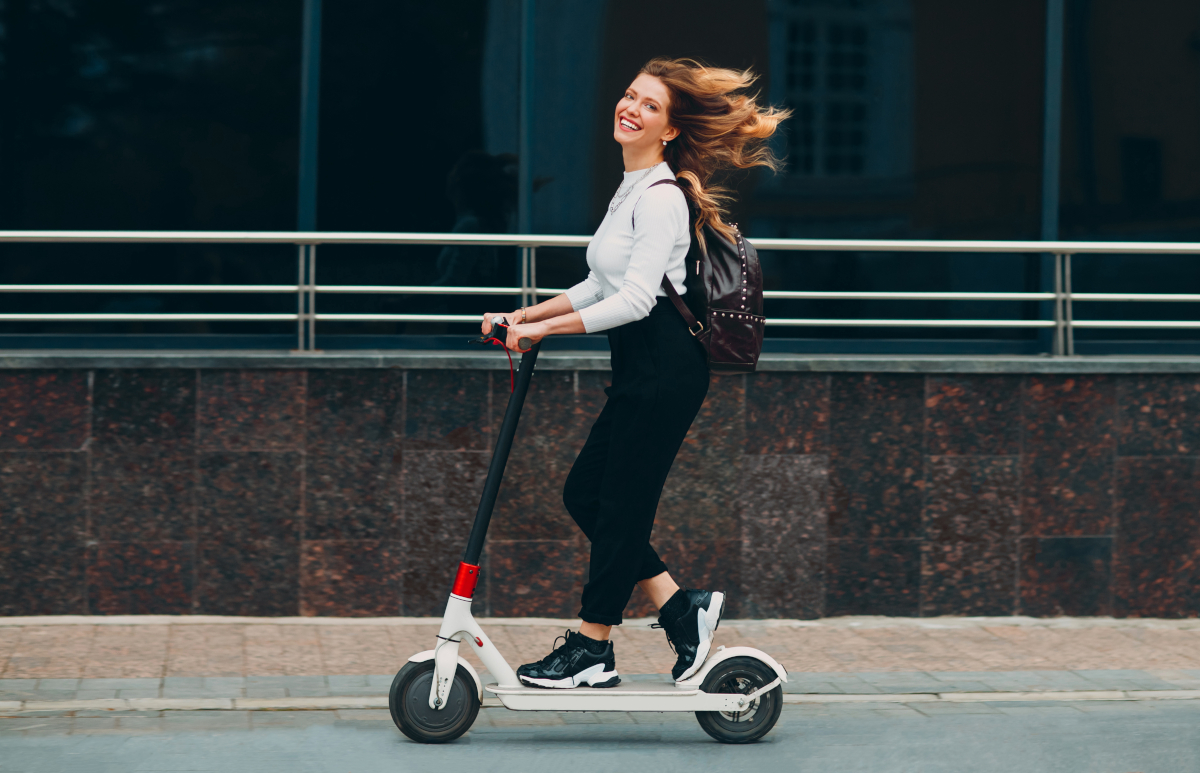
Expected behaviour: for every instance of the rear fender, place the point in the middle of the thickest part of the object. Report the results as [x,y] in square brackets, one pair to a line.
[726,653]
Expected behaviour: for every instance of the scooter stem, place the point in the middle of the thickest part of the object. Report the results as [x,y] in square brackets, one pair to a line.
[508,430]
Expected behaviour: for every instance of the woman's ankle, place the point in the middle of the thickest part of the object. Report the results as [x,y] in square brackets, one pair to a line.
[595,631]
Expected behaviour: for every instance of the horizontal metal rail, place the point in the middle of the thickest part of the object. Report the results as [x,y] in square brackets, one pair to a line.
[548,240]
[306,289]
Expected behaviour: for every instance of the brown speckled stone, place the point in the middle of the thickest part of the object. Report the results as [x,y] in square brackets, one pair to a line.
[152,408]
[1069,450]
[1159,414]
[1065,576]
[249,577]
[976,577]
[787,413]
[535,578]
[1156,555]
[143,494]
[699,500]
[350,578]
[977,415]
[784,513]
[140,578]
[251,410]
[41,410]
[876,464]
[447,410]
[872,577]
[246,497]
[971,498]
[441,496]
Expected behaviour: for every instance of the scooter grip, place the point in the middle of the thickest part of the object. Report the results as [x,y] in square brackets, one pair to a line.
[525,344]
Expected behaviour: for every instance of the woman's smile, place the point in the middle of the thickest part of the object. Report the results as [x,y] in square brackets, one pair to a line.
[628,125]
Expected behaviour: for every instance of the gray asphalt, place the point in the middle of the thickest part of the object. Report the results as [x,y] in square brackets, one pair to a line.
[1085,737]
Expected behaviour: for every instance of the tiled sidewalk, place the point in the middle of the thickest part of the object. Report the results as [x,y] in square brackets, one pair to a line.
[173,653]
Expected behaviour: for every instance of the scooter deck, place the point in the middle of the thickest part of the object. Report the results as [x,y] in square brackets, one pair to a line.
[627,696]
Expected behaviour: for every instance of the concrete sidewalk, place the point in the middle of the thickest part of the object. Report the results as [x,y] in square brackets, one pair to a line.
[180,663]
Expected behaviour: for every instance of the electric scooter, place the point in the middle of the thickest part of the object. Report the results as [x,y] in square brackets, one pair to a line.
[736,694]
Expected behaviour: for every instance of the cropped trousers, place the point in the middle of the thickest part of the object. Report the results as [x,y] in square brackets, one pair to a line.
[659,380]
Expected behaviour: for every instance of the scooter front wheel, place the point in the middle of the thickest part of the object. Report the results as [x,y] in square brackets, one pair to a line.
[742,675]
[408,702]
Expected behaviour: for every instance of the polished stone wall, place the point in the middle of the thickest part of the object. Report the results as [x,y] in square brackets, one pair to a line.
[350,491]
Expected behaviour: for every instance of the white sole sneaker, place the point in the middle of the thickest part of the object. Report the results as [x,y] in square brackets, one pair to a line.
[593,676]
[707,621]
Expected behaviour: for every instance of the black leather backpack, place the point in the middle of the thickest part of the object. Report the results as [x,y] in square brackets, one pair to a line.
[724,289]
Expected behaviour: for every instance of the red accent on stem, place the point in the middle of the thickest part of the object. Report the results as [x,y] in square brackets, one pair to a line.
[512,383]
[465,580]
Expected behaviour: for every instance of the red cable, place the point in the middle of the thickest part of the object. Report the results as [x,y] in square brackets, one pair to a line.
[512,383]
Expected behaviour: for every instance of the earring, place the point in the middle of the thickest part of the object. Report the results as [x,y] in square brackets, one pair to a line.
[664,142]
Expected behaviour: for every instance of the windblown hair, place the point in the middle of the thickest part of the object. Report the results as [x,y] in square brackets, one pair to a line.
[720,128]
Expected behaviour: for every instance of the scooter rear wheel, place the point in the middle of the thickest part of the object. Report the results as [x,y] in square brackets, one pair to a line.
[408,702]
[742,675]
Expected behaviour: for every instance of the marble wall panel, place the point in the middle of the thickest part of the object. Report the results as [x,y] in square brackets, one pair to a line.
[43,410]
[1156,561]
[699,500]
[447,410]
[145,408]
[559,411]
[876,455]
[784,523]
[971,498]
[146,493]
[973,415]
[43,497]
[872,577]
[787,413]
[42,577]
[1159,414]
[349,410]
[535,578]
[350,578]
[1069,448]
[251,410]
[969,577]
[713,565]
[141,578]
[442,492]
[1065,576]
[255,577]
[248,497]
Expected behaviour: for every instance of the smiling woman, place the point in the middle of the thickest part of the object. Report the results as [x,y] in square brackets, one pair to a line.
[677,122]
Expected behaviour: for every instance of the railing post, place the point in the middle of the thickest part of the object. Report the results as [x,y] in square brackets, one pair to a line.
[1059,320]
[312,297]
[1068,328]
[533,293]
[301,258]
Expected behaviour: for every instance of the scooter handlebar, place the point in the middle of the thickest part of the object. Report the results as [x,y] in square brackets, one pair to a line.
[500,333]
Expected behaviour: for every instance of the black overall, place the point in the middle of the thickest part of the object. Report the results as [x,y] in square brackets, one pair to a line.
[659,380]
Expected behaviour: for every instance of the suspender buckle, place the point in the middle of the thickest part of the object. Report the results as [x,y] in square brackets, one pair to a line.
[699,328]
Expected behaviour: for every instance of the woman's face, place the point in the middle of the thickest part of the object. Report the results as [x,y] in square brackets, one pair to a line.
[640,120]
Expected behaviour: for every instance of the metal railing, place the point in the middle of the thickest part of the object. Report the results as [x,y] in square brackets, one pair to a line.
[306,288]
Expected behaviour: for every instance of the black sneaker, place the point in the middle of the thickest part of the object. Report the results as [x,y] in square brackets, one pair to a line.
[690,634]
[573,664]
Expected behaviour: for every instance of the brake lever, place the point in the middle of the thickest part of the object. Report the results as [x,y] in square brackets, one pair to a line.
[524,343]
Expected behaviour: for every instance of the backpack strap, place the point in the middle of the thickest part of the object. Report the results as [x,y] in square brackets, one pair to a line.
[694,326]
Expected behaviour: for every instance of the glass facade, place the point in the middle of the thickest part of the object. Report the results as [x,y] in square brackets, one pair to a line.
[912,119]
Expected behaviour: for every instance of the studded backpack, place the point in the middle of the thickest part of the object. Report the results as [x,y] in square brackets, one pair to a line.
[724,289]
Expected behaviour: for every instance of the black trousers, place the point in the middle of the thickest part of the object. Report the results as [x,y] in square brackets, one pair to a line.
[659,380]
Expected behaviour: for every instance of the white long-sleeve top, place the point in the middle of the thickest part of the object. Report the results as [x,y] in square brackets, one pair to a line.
[627,263]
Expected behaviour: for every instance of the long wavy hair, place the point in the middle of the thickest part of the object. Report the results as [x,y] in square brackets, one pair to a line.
[721,127]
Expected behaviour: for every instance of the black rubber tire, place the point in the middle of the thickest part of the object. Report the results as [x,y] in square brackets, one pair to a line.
[744,675]
[408,701]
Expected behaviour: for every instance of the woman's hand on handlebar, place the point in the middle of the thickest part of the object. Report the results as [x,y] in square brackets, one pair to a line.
[528,334]
[486,327]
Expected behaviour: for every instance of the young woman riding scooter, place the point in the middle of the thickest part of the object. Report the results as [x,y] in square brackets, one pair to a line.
[678,120]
